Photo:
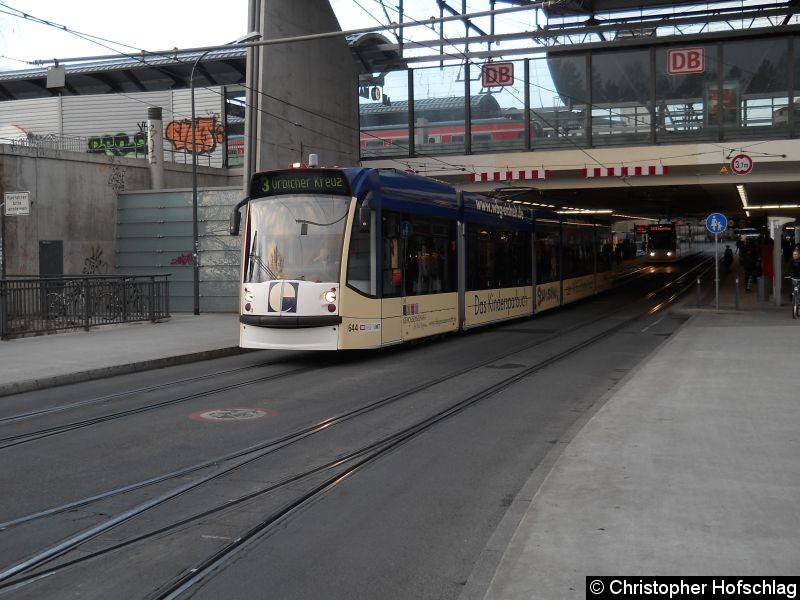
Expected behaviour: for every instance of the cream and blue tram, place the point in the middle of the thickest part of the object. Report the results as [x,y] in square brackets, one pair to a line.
[336,259]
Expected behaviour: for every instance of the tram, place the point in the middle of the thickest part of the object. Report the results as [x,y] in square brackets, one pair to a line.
[354,258]
[662,243]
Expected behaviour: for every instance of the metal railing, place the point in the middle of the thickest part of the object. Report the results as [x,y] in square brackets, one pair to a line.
[37,305]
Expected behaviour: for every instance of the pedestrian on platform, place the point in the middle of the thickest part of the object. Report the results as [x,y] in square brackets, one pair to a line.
[794,268]
[727,259]
[794,264]
[748,261]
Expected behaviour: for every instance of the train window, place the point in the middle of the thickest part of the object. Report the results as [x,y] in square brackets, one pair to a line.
[497,258]
[578,248]
[419,255]
[603,248]
[548,240]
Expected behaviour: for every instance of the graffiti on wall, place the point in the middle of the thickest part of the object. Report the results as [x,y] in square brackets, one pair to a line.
[183,259]
[94,264]
[120,144]
[116,179]
[208,134]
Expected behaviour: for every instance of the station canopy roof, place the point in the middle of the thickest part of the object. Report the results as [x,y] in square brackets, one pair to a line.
[149,73]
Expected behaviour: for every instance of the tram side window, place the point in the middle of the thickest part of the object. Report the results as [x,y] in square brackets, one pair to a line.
[578,250]
[497,258]
[548,236]
[605,256]
[418,255]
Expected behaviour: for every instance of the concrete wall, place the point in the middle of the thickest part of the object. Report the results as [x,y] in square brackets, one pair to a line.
[312,84]
[74,199]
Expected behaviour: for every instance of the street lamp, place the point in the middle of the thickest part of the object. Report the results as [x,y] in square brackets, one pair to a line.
[252,36]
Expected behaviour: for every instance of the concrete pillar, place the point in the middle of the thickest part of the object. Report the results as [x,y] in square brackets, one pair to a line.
[155,147]
[308,101]
[775,231]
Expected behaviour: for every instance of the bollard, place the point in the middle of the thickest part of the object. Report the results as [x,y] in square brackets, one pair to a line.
[698,292]
[736,290]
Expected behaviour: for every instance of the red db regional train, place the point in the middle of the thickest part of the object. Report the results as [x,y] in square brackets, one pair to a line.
[337,259]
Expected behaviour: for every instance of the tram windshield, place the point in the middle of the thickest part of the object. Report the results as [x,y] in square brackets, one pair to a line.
[662,240]
[295,237]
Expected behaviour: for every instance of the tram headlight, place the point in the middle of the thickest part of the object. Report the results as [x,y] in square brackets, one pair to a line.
[248,295]
[329,296]
[652,253]
[669,253]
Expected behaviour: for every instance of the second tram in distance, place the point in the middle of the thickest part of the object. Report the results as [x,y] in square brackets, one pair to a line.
[670,242]
[353,258]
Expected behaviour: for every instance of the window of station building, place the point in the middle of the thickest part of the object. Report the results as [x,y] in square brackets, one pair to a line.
[498,110]
[440,110]
[756,81]
[578,249]
[686,81]
[620,97]
[384,121]
[497,258]
[419,255]
[235,103]
[548,242]
[795,127]
[560,119]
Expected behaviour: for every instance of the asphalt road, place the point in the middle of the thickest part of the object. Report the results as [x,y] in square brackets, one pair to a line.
[411,524]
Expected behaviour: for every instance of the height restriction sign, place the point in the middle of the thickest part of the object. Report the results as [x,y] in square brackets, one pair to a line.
[741,164]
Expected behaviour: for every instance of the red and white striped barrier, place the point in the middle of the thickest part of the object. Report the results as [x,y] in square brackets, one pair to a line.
[516,175]
[626,171]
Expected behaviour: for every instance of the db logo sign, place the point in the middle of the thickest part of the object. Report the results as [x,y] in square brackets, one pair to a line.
[497,74]
[686,60]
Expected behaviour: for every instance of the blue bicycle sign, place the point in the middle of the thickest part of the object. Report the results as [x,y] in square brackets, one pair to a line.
[716,223]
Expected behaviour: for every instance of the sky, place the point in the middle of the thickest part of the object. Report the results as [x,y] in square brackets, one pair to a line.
[176,24]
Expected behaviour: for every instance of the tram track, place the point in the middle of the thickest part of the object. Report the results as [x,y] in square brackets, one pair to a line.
[279,442]
[30,570]
[23,438]
[15,440]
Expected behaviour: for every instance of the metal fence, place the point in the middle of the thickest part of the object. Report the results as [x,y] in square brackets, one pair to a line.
[37,305]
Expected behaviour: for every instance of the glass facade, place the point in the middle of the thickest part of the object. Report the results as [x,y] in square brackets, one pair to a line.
[559,97]
[686,78]
[621,98]
[756,79]
[439,110]
[695,92]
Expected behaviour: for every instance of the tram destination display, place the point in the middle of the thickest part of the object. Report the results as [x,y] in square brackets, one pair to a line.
[300,181]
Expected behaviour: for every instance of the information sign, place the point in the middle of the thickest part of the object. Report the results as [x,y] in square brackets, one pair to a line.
[17,203]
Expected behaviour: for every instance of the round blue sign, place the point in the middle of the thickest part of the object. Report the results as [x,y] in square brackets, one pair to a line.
[716,223]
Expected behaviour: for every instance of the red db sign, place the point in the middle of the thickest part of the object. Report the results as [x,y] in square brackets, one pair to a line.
[497,74]
[686,60]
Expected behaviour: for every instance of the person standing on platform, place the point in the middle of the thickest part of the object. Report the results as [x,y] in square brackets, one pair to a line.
[794,268]
[727,258]
[748,261]
[794,264]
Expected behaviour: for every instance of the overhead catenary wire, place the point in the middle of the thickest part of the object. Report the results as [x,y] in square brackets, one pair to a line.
[448,165]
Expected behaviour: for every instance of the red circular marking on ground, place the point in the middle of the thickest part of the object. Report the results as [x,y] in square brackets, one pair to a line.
[228,415]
